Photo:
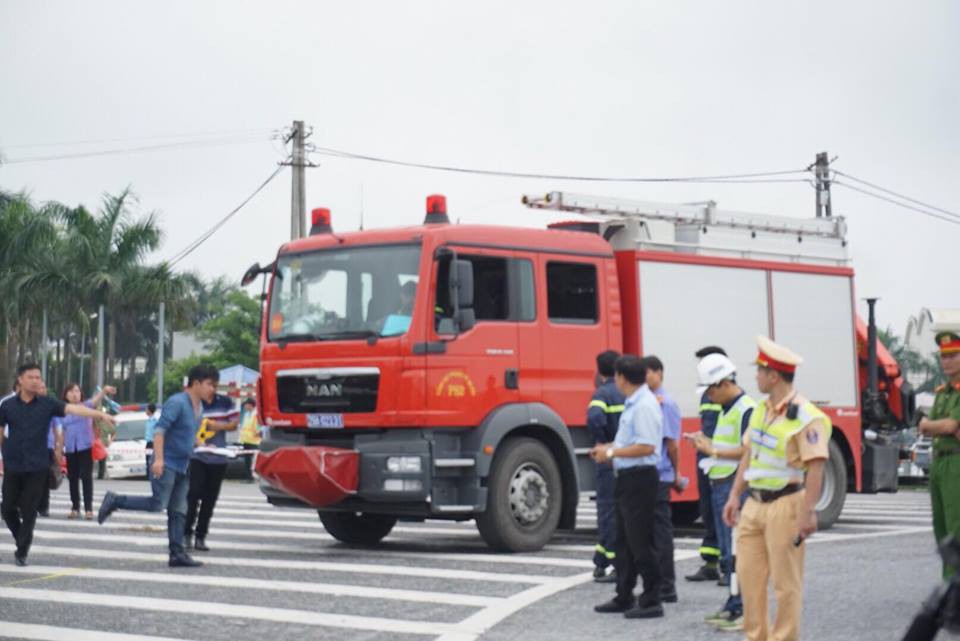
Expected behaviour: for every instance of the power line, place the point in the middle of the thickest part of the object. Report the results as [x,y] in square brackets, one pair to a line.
[327,151]
[104,141]
[189,249]
[893,193]
[948,219]
[133,150]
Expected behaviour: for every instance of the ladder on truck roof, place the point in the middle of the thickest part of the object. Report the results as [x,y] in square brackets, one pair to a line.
[701,228]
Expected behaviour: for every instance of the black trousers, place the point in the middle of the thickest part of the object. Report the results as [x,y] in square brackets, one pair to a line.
[44,506]
[22,493]
[710,545]
[635,492]
[80,468]
[205,482]
[663,537]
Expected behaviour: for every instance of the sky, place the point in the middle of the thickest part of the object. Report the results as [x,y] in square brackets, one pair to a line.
[600,88]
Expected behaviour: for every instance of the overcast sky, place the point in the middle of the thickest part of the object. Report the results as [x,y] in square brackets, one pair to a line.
[598,88]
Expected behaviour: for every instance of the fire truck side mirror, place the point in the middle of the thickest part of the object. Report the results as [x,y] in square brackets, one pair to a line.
[461,293]
[251,274]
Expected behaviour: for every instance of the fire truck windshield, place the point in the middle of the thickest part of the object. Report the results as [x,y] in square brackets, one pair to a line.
[344,293]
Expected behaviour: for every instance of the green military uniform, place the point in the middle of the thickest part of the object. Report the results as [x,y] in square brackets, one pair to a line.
[945,470]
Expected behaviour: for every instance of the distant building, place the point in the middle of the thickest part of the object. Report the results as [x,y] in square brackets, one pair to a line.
[186,344]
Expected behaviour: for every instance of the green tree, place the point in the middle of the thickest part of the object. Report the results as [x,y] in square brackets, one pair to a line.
[232,333]
[919,366]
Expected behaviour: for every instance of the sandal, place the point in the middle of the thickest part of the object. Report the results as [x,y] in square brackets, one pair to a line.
[88,516]
[73,514]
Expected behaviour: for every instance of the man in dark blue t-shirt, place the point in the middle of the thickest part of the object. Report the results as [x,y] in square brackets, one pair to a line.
[173,439]
[26,460]
[207,468]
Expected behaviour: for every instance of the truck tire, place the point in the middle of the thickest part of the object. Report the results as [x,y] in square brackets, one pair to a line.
[357,528]
[834,488]
[525,497]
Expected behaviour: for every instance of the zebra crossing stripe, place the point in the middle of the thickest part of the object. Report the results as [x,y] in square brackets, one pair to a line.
[284,564]
[419,596]
[14,630]
[230,610]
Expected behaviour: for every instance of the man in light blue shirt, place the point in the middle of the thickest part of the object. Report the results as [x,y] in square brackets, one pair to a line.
[635,452]
[173,439]
[670,479]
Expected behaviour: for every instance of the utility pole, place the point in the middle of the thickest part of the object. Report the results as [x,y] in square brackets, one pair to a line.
[298,194]
[100,318]
[822,173]
[162,337]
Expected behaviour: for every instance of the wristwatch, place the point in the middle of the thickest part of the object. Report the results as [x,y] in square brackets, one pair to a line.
[609,452]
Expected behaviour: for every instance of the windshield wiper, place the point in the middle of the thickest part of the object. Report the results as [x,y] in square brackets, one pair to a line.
[295,338]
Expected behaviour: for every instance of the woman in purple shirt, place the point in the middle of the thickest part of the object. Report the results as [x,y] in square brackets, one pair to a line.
[78,435]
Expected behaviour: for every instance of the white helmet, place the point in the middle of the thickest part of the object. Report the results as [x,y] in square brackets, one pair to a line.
[712,369]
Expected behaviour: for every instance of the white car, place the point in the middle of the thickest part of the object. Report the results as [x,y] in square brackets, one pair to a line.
[126,455]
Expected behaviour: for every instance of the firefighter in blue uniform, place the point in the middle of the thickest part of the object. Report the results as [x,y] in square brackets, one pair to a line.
[709,546]
[603,417]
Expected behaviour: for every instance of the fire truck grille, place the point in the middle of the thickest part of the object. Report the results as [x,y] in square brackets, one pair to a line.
[339,395]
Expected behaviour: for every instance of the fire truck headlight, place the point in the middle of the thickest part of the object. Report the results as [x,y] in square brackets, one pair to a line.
[404,464]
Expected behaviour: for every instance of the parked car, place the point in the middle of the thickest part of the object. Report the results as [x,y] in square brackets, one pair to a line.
[126,455]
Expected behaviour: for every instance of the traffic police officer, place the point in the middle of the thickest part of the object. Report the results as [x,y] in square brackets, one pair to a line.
[603,416]
[709,547]
[943,425]
[788,444]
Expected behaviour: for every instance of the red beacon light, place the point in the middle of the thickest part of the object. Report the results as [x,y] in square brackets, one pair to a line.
[436,210]
[320,221]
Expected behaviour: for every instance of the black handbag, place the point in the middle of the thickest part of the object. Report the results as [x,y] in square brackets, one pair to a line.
[55,476]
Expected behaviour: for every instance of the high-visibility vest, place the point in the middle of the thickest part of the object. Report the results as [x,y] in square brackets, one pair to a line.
[727,436]
[768,445]
[249,434]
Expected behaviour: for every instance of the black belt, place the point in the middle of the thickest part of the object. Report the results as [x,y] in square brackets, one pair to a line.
[726,479]
[635,469]
[769,496]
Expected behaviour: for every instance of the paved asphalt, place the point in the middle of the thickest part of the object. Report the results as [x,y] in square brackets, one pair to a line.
[275,574]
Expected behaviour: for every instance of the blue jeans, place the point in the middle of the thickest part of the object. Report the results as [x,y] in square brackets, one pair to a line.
[170,493]
[720,492]
[605,550]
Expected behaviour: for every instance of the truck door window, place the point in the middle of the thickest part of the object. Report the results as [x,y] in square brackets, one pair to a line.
[490,289]
[523,295]
[572,292]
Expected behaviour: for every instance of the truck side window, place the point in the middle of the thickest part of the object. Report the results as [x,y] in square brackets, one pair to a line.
[572,292]
[490,290]
[523,295]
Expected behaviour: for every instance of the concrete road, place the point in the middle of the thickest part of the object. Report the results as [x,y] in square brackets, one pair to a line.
[275,574]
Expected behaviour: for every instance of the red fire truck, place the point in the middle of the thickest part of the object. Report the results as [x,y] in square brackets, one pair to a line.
[443,371]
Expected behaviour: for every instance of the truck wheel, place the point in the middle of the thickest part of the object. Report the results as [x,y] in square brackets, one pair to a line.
[357,528]
[834,488]
[524,497]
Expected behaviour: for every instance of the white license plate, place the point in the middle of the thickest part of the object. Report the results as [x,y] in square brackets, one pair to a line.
[138,470]
[325,420]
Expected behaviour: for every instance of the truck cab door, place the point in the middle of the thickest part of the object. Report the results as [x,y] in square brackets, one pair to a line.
[472,366]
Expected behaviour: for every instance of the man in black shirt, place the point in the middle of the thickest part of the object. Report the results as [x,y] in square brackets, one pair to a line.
[25,458]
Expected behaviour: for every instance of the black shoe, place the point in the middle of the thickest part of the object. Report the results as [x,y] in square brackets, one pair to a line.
[650,611]
[200,545]
[187,541]
[20,559]
[705,573]
[599,573]
[183,560]
[614,606]
[724,581]
[609,578]
[107,507]
[43,513]
[669,597]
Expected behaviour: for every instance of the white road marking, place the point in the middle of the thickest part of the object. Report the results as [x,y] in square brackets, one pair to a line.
[319,566]
[419,596]
[491,616]
[14,630]
[480,557]
[279,615]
